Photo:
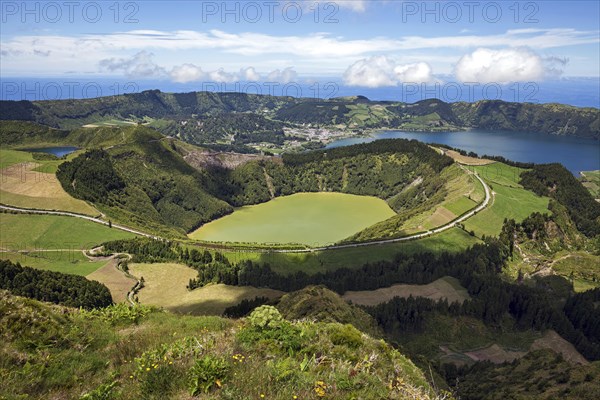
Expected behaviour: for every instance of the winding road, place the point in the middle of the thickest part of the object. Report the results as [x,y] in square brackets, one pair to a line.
[449,225]
[70,214]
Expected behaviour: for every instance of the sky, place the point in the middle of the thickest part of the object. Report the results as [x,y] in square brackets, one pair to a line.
[360,44]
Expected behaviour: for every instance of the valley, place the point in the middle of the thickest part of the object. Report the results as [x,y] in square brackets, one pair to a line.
[453,258]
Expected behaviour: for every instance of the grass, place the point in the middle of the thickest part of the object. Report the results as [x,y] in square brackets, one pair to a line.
[591,180]
[165,286]
[499,173]
[33,184]
[65,261]
[581,266]
[35,232]
[444,288]
[452,240]
[105,354]
[510,200]
[307,218]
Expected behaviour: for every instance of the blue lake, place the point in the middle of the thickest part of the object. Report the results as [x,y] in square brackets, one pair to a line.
[577,154]
[57,151]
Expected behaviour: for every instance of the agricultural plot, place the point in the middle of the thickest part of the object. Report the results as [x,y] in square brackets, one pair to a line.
[23,185]
[67,261]
[165,286]
[464,193]
[308,218]
[509,203]
[591,180]
[35,232]
[116,281]
[510,200]
[444,288]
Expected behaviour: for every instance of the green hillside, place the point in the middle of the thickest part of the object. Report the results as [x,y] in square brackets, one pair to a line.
[190,115]
[145,353]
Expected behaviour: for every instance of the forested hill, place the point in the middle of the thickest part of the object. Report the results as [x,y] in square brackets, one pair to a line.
[140,178]
[175,109]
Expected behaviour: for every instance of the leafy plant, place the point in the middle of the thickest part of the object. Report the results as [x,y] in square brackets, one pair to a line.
[207,373]
[265,317]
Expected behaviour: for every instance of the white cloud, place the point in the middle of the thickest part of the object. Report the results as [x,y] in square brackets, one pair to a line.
[380,71]
[186,73]
[140,65]
[374,72]
[354,5]
[250,74]
[221,76]
[505,66]
[286,76]
[314,53]
[415,73]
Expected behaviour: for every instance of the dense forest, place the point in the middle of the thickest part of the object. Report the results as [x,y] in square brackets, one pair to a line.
[557,182]
[54,287]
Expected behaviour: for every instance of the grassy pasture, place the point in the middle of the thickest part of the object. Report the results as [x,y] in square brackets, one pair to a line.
[32,184]
[464,192]
[452,240]
[65,261]
[34,232]
[444,288]
[165,286]
[510,199]
[591,180]
[307,218]
[579,265]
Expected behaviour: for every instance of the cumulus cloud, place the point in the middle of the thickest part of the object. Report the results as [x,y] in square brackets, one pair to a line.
[186,73]
[506,65]
[380,71]
[141,65]
[249,74]
[415,73]
[286,76]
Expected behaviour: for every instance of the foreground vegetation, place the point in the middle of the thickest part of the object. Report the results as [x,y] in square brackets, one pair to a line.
[123,353]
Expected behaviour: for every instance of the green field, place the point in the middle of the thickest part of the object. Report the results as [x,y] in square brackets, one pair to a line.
[68,261]
[307,218]
[591,180]
[34,232]
[510,200]
[452,240]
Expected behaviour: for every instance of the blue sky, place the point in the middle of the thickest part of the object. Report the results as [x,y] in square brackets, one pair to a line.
[368,44]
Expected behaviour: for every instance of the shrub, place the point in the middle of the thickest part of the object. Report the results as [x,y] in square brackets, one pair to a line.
[265,317]
[345,335]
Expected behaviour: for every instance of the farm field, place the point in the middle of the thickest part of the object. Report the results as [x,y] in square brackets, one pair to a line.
[510,200]
[591,180]
[444,288]
[116,281]
[307,218]
[28,183]
[65,261]
[53,232]
[165,286]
